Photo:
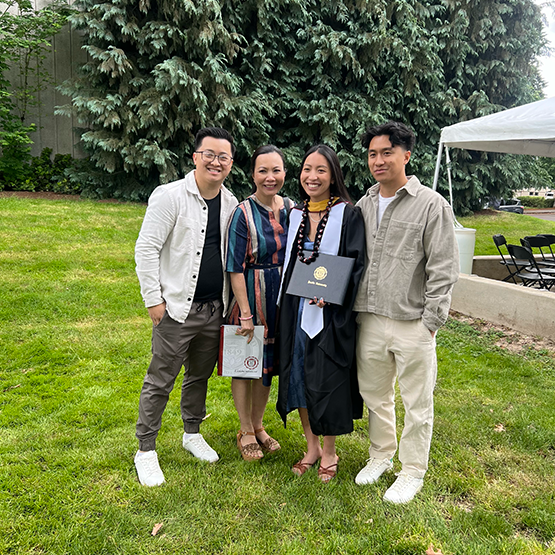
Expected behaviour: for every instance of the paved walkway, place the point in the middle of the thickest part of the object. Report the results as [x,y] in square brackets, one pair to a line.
[545,214]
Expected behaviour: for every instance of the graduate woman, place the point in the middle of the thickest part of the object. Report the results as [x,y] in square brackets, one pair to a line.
[317,340]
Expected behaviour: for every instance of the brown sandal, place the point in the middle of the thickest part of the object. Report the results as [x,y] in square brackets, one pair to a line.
[268,446]
[327,473]
[251,451]
[299,468]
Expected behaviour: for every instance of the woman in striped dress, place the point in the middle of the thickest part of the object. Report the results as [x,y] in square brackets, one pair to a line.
[255,254]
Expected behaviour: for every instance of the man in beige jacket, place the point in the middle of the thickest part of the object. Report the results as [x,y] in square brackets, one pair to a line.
[404,296]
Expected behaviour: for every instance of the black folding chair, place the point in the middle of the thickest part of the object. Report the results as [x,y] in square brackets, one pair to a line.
[499,241]
[530,273]
[540,242]
[551,239]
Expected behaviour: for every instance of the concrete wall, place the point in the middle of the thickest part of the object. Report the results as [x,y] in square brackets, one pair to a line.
[484,295]
[529,311]
[489,267]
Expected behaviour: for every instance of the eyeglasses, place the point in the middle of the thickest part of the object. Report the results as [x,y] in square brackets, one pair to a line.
[209,156]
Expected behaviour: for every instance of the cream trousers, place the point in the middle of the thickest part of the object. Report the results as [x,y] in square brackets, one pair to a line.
[388,349]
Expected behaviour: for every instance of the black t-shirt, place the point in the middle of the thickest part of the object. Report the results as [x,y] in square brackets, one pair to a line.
[210,281]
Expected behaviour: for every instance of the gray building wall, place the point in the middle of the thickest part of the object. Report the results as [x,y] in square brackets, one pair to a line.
[61,63]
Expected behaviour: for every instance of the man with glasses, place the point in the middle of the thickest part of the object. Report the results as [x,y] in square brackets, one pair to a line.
[180,265]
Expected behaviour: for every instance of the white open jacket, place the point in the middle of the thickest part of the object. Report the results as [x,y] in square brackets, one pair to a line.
[170,244]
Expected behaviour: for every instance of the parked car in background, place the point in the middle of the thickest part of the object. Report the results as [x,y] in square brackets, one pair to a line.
[549,194]
[511,205]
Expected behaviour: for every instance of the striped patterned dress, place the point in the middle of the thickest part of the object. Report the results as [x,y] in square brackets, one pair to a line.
[256,248]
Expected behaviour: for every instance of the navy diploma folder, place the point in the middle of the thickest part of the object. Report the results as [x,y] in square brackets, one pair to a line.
[326,277]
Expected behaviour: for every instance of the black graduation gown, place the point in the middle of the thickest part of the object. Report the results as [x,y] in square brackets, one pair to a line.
[331,386]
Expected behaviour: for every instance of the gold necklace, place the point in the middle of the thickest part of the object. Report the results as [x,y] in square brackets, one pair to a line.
[315,221]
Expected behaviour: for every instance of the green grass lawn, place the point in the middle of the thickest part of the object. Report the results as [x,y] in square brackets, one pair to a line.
[74,347]
[513,226]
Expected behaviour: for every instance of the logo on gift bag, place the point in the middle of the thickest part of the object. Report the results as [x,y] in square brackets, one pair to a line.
[320,272]
[251,363]
[239,359]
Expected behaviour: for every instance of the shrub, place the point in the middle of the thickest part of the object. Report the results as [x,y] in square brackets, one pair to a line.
[536,202]
[45,174]
[15,144]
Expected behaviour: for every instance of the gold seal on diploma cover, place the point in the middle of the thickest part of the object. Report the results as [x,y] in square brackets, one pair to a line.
[320,273]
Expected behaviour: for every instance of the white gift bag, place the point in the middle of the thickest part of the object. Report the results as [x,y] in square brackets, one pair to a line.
[238,359]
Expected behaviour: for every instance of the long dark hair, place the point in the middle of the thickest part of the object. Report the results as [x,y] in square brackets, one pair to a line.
[337,186]
[264,149]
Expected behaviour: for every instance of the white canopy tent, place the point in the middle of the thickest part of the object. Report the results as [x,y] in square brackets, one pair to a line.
[528,129]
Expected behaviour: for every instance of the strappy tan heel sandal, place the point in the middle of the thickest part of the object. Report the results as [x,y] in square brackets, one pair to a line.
[328,473]
[268,446]
[251,451]
[299,468]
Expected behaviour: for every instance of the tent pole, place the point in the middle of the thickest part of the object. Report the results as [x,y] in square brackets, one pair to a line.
[448,161]
[438,164]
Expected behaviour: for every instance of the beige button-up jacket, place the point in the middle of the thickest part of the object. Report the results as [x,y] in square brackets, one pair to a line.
[412,260]
[170,244]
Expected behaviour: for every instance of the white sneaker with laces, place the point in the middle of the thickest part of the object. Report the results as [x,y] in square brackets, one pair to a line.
[148,469]
[197,446]
[404,488]
[373,470]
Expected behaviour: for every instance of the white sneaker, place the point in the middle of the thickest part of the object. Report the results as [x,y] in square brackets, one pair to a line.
[404,488]
[197,446]
[373,470]
[148,469]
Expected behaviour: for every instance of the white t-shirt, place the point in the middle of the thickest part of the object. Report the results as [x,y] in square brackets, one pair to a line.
[383,203]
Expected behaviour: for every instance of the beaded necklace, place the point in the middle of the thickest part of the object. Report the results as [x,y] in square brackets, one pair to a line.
[319,232]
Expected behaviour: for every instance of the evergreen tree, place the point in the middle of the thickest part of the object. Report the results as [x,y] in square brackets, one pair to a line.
[157,72]
[490,51]
[298,72]
[548,167]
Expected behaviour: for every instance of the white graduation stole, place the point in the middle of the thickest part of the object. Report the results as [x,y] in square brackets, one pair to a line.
[312,321]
